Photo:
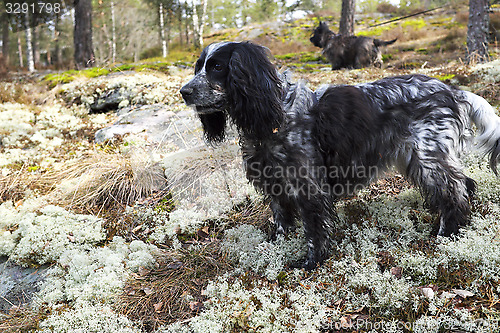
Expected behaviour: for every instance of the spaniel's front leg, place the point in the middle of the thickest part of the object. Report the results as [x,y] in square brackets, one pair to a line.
[284,214]
[316,210]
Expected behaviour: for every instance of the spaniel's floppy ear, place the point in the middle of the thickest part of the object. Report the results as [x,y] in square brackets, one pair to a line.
[254,91]
[214,126]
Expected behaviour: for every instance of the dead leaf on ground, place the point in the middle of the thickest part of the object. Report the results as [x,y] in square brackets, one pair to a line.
[462,293]
[158,306]
[195,306]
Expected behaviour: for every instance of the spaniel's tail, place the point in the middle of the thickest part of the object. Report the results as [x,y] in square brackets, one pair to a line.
[379,42]
[483,115]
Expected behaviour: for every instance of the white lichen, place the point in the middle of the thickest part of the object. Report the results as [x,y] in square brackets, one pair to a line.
[88,318]
[41,237]
[233,306]
[249,248]
[96,275]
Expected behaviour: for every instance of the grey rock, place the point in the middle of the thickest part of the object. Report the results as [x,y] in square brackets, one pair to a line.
[109,100]
[157,123]
[18,284]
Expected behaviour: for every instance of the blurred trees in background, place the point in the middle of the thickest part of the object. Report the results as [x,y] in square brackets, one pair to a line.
[130,30]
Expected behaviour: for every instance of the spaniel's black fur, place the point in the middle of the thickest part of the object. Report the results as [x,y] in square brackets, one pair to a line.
[348,51]
[306,149]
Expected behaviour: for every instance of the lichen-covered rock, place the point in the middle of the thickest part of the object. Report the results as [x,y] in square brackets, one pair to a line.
[118,90]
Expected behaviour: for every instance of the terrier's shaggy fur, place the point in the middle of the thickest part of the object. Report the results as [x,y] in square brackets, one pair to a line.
[348,51]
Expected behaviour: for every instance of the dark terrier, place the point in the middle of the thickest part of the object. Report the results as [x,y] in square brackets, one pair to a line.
[348,51]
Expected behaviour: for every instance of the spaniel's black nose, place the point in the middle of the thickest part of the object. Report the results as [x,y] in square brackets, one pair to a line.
[186,91]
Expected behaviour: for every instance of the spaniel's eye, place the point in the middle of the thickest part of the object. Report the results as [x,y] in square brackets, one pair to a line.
[217,67]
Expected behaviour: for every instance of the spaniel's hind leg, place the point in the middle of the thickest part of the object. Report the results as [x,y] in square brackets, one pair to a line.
[445,188]
[283,215]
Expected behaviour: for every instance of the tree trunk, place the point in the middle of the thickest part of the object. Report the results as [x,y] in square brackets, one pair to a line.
[179,19]
[82,37]
[196,25]
[113,33]
[186,26]
[346,26]
[57,47]
[29,45]
[204,4]
[35,44]
[162,32]
[5,39]
[478,29]
[20,50]
[168,27]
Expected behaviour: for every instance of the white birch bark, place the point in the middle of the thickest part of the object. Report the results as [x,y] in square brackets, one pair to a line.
[29,46]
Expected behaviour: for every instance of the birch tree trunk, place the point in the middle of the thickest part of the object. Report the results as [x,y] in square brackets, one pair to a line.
[20,50]
[29,45]
[196,26]
[113,33]
[204,4]
[162,32]
[478,29]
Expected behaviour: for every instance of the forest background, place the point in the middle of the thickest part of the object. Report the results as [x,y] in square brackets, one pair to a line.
[132,30]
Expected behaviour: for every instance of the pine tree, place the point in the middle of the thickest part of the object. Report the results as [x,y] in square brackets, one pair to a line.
[346,26]
[84,52]
[478,30]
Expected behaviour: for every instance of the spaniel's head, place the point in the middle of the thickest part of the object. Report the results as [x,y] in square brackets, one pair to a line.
[235,79]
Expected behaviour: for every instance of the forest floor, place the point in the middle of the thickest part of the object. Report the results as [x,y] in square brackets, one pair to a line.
[151,230]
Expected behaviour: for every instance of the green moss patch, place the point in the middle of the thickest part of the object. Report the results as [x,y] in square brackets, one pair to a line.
[157,65]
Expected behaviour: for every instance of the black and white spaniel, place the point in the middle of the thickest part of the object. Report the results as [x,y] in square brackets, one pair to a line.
[306,149]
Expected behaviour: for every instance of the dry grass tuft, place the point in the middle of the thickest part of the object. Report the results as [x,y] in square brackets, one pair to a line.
[14,92]
[22,319]
[174,290]
[104,181]
[256,213]
[15,186]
